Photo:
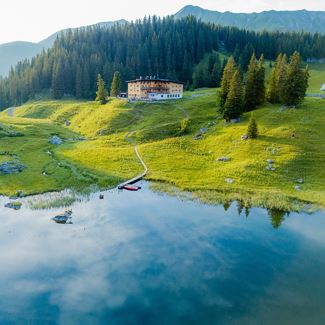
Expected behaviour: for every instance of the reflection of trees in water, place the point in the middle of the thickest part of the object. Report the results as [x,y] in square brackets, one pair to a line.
[277,217]
[241,206]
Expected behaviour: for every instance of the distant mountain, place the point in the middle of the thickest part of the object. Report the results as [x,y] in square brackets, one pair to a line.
[12,53]
[301,20]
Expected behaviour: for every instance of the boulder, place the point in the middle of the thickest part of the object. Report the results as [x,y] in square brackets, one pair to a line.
[297,188]
[300,181]
[13,205]
[56,140]
[203,130]
[235,120]
[229,180]
[64,218]
[11,167]
[270,161]
[67,123]
[244,137]
[223,159]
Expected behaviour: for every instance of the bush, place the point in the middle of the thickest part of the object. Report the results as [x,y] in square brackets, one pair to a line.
[252,130]
[185,125]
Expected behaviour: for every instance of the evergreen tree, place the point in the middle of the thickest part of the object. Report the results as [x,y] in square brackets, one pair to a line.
[282,77]
[296,84]
[252,130]
[234,104]
[260,81]
[101,94]
[272,91]
[79,83]
[227,76]
[116,86]
[58,81]
[250,101]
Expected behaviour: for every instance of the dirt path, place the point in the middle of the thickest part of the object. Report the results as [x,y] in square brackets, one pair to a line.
[187,115]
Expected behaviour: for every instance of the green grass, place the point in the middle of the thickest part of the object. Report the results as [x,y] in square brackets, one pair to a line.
[317,78]
[106,156]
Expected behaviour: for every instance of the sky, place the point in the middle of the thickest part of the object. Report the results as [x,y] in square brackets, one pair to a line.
[34,20]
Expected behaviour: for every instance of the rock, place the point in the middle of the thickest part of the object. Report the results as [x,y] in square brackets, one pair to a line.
[56,140]
[101,196]
[223,159]
[11,167]
[229,180]
[13,205]
[67,123]
[270,161]
[203,130]
[270,167]
[244,137]
[235,120]
[300,181]
[64,218]
[198,137]
[297,188]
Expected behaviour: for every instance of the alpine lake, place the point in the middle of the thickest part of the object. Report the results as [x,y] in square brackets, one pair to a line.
[150,258]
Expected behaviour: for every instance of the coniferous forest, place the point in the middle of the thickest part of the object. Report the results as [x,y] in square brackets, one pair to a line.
[166,47]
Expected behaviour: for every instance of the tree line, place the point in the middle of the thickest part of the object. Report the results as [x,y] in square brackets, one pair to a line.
[240,93]
[168,47]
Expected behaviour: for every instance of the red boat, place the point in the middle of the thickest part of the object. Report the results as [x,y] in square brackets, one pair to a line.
[131,188]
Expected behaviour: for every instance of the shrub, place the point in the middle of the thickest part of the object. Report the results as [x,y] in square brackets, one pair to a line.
[185,124]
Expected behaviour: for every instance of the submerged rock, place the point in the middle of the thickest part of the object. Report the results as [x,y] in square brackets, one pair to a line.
[63,218]
[13,205]
[11,167]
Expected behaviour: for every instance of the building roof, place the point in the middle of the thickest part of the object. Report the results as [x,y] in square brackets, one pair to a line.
[154,78]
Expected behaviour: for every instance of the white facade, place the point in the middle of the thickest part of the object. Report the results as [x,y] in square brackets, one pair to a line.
[157,96]
[323,87]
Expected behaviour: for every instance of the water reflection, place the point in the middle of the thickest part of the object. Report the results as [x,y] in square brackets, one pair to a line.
[143,258]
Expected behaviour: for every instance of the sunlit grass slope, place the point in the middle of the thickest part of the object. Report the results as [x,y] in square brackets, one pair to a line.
[293,138]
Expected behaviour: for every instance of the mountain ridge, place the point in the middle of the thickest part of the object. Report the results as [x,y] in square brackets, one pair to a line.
[13,52]
[272,20]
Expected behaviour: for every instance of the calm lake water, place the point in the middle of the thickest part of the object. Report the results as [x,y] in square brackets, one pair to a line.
[145,258]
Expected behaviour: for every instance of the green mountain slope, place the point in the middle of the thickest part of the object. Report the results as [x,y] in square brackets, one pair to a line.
[301,20]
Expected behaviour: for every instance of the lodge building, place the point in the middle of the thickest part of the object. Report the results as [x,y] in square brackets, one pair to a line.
[154,88]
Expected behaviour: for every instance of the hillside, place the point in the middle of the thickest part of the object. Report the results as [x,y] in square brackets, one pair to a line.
[12,53]
[105,157]
[295,21]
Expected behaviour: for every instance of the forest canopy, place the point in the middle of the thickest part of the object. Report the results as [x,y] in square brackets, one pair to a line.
[167,47]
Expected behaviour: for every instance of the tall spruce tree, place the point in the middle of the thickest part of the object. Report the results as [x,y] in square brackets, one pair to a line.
[116,86]
[252,129]
[58,80]
[234,104]
[282,77]
[250,100]
[227,76]
[273,92]
[101,94]
[296,84]
[79,83]
[260,81]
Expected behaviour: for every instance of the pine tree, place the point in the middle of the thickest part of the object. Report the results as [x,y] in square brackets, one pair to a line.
[116,86]
[260,81]
[234,104]
[272,91]
[296,84]
[58,81]
[252,130]
[79,83]
[101,94]
[227,76]
[250,100]
[282,77]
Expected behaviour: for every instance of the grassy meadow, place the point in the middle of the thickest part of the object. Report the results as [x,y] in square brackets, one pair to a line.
[97,149]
